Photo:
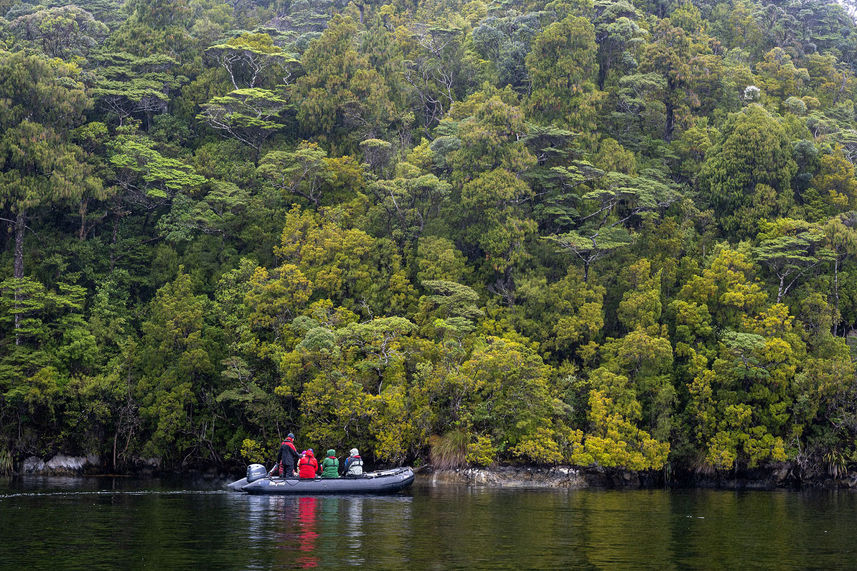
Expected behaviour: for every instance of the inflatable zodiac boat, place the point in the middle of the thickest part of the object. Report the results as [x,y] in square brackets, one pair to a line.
[383,482]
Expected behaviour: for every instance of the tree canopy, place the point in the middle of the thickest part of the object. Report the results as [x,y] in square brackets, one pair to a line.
[598,233]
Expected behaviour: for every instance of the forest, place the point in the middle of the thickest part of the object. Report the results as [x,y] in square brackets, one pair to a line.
[613,233]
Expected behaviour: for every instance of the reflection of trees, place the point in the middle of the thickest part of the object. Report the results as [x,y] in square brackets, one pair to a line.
[732,530]
[262,511]
[353,523]
[620,532]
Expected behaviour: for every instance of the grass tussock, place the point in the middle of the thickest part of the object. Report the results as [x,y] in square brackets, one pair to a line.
[449,450]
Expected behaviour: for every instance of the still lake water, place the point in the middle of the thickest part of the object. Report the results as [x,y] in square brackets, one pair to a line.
[109,523]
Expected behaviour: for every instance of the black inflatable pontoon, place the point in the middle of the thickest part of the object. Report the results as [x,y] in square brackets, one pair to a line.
[384,482]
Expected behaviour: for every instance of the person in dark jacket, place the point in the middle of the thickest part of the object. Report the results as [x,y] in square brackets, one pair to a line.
[354,463]
[308,465]
[330,465]
[288,456]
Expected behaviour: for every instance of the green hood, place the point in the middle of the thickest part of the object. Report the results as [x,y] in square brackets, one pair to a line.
[331,452]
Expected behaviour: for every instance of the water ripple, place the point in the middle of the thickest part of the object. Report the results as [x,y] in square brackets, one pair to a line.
[116,493]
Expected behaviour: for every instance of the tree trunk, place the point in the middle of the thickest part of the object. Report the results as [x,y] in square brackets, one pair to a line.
[602,73]
[20,228]
[84,204]
[836,294]
[780,291]
[668,127]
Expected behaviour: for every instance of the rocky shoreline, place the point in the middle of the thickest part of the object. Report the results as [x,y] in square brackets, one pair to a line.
[64,465]
[570,477]
[777,476]
[781,476]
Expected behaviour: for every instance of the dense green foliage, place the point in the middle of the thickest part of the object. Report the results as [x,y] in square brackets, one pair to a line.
[591,232]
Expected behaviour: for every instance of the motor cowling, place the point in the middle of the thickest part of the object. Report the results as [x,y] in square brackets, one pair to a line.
[255,472]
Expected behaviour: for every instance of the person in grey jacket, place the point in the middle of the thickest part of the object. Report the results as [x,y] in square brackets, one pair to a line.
[354,464]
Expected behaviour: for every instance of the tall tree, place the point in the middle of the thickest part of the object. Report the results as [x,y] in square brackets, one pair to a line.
[791,248]
[669,55]
[249,115]
[438,68]
[61,32]
[127,85]
[340,91]
[175,370]
[748,175]
[38,165]
[249,58]
[563,70]
[841,235]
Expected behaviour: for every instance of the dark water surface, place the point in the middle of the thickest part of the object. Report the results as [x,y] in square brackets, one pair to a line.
[110,523]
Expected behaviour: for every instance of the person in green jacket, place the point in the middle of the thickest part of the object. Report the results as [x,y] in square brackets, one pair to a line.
[330,465]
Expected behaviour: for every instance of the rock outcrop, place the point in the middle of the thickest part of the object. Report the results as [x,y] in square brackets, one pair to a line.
[511,477]
[60,465]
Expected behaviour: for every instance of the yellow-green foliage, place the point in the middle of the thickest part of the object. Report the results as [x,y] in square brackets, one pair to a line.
[392,425]
[616,442]
[481,452]
[252,451]
[539,446]
[738,436]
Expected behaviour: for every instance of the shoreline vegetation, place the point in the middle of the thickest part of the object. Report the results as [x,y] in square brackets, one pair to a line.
[617,233]
[780,476]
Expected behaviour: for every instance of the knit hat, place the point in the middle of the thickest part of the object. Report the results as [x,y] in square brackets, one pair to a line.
[354,452]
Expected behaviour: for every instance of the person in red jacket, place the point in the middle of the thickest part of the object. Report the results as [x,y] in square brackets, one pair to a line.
[308,465]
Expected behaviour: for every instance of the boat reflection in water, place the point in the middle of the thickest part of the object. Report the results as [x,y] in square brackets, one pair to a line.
[354,531]
[322,531]
[307,534]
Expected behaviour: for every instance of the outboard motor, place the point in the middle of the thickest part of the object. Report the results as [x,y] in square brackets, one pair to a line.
[255,472]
